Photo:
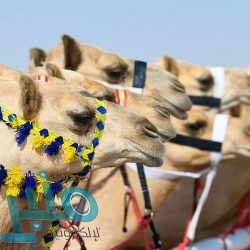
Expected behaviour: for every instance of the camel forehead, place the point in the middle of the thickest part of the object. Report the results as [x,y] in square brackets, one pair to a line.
[238,75]
[59,91]
[195,70]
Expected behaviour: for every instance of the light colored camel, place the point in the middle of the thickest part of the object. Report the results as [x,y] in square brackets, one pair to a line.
[62,110]
[111,202]
[102,65]
[198,80]
[146,106]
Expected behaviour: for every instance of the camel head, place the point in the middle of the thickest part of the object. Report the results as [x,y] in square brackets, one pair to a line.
[102,65]
[126,136]
[144,105]
[200,125]
[198,80]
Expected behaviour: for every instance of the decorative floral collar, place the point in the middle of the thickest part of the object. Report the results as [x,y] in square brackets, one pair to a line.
[52,142]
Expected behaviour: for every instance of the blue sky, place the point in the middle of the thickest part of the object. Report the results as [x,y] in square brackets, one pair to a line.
[212,32]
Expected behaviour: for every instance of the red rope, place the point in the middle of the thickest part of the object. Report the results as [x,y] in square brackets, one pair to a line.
[142,230]
[243,218]
[186,241]
[242,221]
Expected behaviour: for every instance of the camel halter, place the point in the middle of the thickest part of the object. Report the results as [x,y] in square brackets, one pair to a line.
[146,220]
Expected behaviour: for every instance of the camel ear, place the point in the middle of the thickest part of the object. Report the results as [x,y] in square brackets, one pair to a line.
[53,70]
[72,53]
[37,58]
[29,97]
[171,65]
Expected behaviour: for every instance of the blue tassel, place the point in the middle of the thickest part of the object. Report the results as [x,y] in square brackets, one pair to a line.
[95,142]
[85,171]
[102,110]
[91,156]
[55,223]
[44,132]
[29,181]
[100,125]
[22,194]
[56,187]
[47,238]
[75,145]
[55,146]
[3,174]
[23,132]
[1,114]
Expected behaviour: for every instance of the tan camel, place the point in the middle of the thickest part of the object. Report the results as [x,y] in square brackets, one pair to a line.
[198,80]
[146,106]
[64,111]
[102,65]
[111,202]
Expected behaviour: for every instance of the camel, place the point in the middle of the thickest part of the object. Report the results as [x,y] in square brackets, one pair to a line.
[60,109]
[111,203]
[146,106]
[198,80]
[102,65]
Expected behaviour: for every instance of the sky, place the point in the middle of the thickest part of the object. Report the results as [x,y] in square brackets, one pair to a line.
[211,32]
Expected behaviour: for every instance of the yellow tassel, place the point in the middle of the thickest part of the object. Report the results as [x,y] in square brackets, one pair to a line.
[14,123]
[39,188]
[13,190]
[14,181]
[53,229]
[38,142]
[70,155]
[14,177]
[48,139]
[43,244]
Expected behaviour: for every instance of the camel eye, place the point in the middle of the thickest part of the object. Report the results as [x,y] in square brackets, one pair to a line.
[81,121]
[116,75]
[196,127]
[108,97]
[205,83]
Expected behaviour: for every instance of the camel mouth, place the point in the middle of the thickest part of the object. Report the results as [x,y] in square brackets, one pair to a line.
[175,111]
[243,150]
[166,136]
[229,103]
[245,99]
[149,159]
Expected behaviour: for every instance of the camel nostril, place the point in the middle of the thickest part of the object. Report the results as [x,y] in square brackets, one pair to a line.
[163,111]
[178,86]
[150,129]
